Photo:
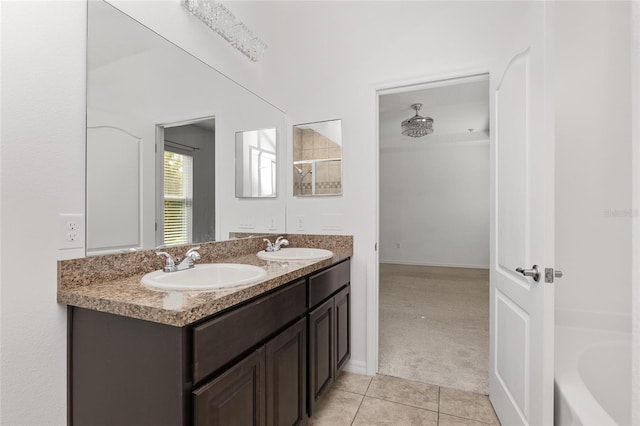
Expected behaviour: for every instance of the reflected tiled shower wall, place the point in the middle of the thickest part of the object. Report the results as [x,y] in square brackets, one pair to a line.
[311,146]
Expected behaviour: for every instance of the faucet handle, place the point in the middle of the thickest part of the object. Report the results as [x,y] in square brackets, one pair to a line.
[269,244]
[280,241]
[192,250]
[170,260]
[170,264]
[192,255]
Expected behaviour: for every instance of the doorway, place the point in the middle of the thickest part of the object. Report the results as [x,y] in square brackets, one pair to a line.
[185,182]
[434,235]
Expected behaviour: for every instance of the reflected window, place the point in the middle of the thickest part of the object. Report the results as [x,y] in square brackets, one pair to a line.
[256,163]
[178,197]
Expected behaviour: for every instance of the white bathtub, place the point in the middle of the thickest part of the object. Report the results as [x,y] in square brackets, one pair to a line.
[592,377]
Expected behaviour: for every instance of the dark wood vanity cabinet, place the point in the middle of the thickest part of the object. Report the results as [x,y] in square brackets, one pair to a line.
[249,365]
[266,388]
[329,329]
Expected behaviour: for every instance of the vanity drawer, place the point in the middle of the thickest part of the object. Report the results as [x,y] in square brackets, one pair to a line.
[328,282]
[218,341]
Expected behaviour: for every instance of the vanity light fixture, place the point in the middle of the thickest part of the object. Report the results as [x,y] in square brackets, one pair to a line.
[417,126]
[221,20]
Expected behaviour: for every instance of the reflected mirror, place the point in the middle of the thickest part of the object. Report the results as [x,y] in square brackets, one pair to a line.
[161,132]
[256,171]
[317,158]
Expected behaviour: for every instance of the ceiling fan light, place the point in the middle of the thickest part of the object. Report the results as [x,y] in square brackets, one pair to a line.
[417,126]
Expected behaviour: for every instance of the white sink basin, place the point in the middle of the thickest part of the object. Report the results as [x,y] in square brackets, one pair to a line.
[209,276]
[296,253]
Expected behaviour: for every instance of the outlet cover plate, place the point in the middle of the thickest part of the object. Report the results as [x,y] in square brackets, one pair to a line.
[70,231]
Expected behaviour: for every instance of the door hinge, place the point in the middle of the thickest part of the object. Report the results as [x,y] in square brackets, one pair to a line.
[375,247]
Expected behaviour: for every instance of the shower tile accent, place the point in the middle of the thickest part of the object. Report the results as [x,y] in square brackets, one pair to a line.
[310,145]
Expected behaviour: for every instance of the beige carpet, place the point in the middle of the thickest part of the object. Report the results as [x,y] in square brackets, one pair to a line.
[434,325]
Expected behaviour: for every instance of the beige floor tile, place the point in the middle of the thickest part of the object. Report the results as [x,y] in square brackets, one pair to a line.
[468,405]
[403,391]
[337,408]
[350,382]
[447,420]
[375,412]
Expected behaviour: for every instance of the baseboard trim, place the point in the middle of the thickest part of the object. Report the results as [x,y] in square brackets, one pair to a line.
[356,366]
[446,265]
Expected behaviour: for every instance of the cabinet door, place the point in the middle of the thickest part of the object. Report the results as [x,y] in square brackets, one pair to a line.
[235,398]
[343,327]
[321,351]
[286,357]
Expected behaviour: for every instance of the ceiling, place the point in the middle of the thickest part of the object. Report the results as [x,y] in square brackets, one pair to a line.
[455,106]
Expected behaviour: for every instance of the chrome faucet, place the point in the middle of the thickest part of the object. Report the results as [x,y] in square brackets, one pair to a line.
[280,241]
[190,258]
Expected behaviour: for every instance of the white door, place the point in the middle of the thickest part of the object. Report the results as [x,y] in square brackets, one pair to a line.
[522,224]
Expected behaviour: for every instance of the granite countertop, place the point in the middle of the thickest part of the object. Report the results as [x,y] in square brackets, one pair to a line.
[125,295]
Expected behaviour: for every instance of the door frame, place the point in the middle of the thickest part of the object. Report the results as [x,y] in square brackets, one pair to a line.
[373,271]
[635,200]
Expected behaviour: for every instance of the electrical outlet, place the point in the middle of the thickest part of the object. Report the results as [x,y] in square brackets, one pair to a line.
[71,233]
[300,222]
[272,226]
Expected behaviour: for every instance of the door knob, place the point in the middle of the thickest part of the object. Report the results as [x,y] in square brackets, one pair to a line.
[534,272]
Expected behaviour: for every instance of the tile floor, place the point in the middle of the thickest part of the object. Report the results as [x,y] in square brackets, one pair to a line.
[384,400]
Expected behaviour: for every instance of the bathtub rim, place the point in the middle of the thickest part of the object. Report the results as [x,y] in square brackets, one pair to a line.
[567,379]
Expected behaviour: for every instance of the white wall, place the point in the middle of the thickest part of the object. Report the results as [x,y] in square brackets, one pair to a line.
[593,162]
[42,169]
[434,203]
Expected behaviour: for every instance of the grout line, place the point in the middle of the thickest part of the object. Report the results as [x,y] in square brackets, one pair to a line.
[358,410]
[401,403]
[362,402]
[466,418]
[369,385]
[438,423]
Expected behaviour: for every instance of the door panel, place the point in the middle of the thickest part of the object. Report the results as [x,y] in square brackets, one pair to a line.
[321,352]
[343,328]
[236,398]
[512,360]
[513,163]
[286,357]
[521,309]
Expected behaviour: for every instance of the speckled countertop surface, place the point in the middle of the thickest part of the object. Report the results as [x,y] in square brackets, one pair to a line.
[112,283]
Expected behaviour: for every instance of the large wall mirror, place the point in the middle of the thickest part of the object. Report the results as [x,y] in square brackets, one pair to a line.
[317,158]
[161,143]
